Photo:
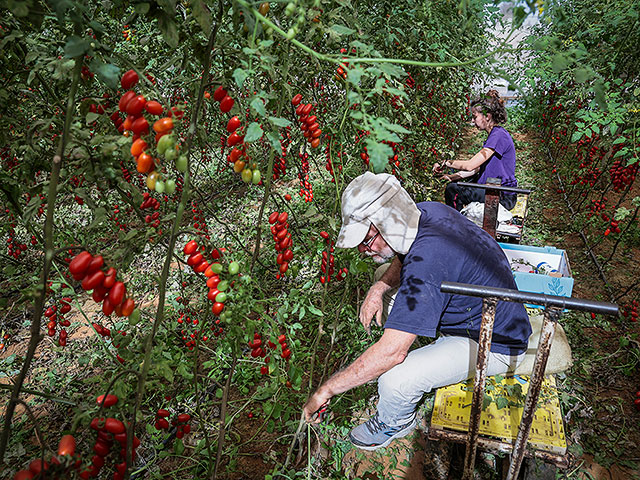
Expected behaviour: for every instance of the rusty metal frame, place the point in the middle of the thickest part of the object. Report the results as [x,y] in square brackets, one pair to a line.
[553,309]
[492,200]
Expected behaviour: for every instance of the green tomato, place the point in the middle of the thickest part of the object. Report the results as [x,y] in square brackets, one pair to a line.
[222,286]
[165,142]
[160,186]
[247,174]
[170,186]
[181,163]
[134,318]
[221,297]
[256,177]
[171,154]
[216,268]
[234,268]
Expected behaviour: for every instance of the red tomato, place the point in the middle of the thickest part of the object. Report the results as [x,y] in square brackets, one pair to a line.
[184,417]
[107,306]
[163,125]
[273,217]
[23,475]
[190,247]
[144,163]
[109,278]
[296,99]
[110,401]
[316,133]
[154,108]
[163,413]
[67,445]
[288,255]
[129,79]
[234,139]
[38,465]
[213,281]
[80,263]
[93,280]
[233,124]
[313,127]
[235,154]
[140,126]
[136,105]
[315,143]
[117,293]
[113,425]
[307,108]
[282,218]
[138,147]
[310,120]
[201,267]
[287,197]
[284,267]
[125,99]
[219,94]
[99,293]
[128,306]
[212,294]
[96,264]
[195,259]
[226,104]
[101,448]
[298,109]
[217,308]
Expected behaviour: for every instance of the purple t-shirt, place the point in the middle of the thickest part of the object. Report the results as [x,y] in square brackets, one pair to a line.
[502,164]
[442,252]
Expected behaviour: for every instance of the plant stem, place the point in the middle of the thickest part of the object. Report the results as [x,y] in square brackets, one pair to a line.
[41,292]
[223,415]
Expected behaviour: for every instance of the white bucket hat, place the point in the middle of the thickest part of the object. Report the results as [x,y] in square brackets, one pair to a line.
[381,200]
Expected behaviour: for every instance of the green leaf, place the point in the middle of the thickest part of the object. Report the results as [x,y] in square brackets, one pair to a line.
[142,8]
[169,29]
[341,30]
[379,154]
[577,135]
[279,121]
[582,74]
[502,402]
[108,73]
[91,117]
[76,46]
[98,216]
[254,132]
[240,75]
[19,9]
[619,140]
[598,90]
[315,311]
[354,75]
[258,106]
[202,15]
[559,62]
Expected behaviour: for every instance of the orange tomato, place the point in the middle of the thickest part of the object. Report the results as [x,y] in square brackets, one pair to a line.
[163,125]
[145,163]
[138,147]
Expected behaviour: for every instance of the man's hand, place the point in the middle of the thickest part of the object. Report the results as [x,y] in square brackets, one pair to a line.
[437,168]
[317,402]
[373,305]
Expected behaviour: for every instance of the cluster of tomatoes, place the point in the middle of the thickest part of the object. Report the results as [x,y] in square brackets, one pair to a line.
[249,172]
[106,288]
[280,164]
[613,228]
[55,316]
[259,349]
[282,239]
[109,430]
[150,203]
[597,206]
[622,175]
[14,247]
[308,122]
[327,266]
[217,287]
[199,221]
[58,467]
[631,310]
[181,422]
[636,402]
[134,106]
[306,189]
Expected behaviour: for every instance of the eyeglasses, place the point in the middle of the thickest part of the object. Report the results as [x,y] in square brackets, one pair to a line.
[367,243]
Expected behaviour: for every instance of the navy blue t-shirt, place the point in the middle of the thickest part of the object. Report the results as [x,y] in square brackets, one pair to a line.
[449,247]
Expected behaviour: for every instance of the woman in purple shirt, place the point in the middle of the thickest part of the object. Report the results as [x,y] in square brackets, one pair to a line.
[497,158]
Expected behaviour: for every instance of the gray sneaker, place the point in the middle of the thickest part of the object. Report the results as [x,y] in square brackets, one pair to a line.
[374,434]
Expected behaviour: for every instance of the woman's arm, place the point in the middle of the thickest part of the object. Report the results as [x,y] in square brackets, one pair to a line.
[473,163]
[454,177]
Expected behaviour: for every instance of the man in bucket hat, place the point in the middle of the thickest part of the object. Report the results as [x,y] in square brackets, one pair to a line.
[428,243]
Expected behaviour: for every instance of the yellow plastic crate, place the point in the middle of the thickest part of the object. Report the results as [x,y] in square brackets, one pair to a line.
[452,410]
